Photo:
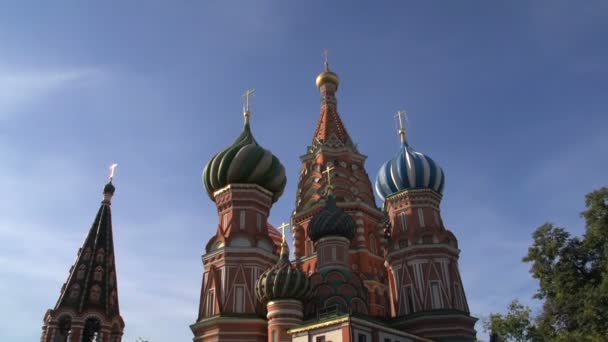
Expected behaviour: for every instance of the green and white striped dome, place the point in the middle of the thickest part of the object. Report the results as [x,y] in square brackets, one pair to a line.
[245,162]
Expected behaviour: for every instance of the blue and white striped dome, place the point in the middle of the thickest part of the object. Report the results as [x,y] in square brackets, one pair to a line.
[409,170]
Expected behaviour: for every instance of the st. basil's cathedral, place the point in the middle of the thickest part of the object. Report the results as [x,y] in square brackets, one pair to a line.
[360,273]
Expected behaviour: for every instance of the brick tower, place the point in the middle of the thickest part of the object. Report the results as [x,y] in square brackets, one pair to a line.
[332,150]
[87,309]
[244,180]
[427,296]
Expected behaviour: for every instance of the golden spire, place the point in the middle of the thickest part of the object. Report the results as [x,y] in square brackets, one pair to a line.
[246,110]
[400,116]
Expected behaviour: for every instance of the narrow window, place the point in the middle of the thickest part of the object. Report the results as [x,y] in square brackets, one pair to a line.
[387,340]
[239,300]
[80,273]
[421,217]
[372,244]
[258,222]
[403,221]
[95,293]
[98,273]
[362,338]
[333,253]
[408,299]
[100,256]
[309,248]
[320,339]
[435,295]
[225,224]
[210,302]
[242,220]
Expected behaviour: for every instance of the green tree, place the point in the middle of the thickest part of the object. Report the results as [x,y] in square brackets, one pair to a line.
[573,282]
[516,325]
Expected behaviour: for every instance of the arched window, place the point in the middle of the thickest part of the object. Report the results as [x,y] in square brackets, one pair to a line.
[210,311]
[258,222]
[81,272]
[372,244]
[421,217]
[225,221]
[113,299]
[101,254]
[92,330]
[87,254]
[309,247]
[64,329]
[242,218]
[74,291]
[95,293]
[98,275]
[403,221]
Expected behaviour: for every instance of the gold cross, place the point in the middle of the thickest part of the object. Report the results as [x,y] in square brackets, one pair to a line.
[248,94]
[326,57]
[328,170]
[282,227]
[401,115]
[112,169]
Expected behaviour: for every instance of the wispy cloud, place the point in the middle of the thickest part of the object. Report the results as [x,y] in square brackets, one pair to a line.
[23,86]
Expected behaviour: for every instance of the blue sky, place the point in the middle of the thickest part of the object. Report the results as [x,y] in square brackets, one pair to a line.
[509,97]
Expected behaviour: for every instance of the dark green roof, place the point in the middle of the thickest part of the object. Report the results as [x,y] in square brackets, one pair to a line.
[245,162]
[331,220]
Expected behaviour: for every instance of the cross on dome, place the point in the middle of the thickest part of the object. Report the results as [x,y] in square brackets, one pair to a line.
[246,111]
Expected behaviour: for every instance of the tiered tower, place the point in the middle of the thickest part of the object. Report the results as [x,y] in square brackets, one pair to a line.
[332,150]
[87,309]
[427,295]
[244,180]
[335,286]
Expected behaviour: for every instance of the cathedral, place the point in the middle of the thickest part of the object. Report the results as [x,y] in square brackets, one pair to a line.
[360,273]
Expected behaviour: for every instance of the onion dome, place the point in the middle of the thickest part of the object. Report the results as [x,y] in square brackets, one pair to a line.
[331,221]
[409,170]
[282,281]
[109,188]
[245,162]
[327,76]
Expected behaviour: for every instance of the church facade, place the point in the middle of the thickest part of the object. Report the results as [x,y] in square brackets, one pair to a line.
[361,272]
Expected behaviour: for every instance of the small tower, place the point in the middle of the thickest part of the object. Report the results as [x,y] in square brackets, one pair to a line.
[87,309]
[333,149]
[334,285]
[283,288]
[422,255]
[243,180]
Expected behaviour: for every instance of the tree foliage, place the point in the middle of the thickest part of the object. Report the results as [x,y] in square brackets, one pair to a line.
[573,282]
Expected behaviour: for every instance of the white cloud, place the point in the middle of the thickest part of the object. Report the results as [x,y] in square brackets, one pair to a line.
[20,87]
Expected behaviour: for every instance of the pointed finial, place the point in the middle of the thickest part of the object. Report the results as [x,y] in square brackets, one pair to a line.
[246,110]
[328,170]
[326,57]
[108,190]
[401,115]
